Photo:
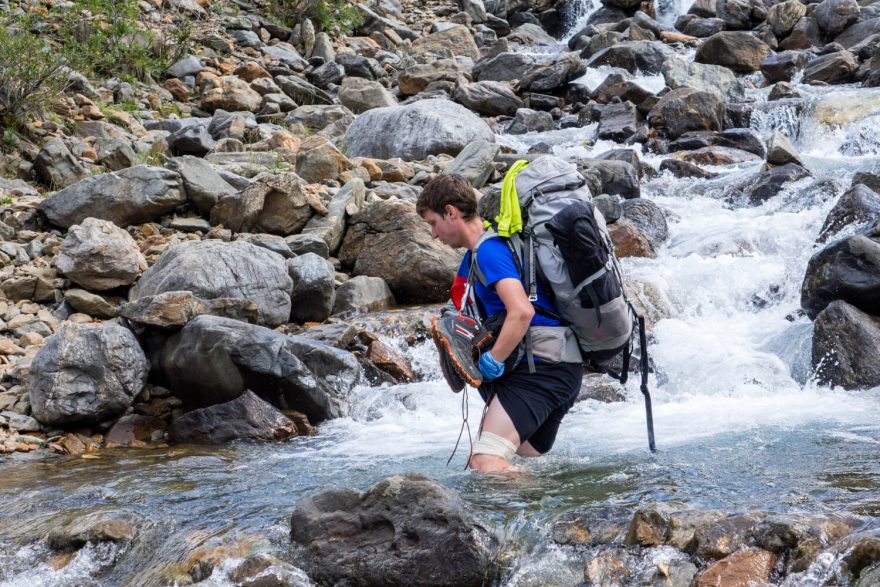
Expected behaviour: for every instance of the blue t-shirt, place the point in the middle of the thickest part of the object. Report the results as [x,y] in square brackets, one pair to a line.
[496,262]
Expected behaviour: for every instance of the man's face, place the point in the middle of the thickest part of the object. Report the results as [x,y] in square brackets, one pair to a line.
[446,227]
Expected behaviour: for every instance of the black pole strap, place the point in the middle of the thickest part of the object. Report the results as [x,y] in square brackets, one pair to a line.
[643,343]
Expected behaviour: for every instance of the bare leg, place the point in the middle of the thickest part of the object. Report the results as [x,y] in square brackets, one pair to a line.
[527,450]
[497,422]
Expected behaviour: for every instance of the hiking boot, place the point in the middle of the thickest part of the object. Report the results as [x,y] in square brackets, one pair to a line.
[454,336]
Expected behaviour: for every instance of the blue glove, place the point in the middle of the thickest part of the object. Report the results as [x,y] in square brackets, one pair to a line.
[490,367]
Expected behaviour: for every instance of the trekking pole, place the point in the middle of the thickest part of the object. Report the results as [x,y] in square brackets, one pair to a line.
[643,342]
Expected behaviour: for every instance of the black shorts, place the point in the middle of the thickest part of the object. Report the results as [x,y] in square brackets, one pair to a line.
[536,402]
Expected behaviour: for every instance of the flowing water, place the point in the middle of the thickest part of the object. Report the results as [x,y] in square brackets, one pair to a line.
[740,424]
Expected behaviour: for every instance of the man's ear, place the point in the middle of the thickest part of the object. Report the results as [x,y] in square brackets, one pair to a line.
[452,211]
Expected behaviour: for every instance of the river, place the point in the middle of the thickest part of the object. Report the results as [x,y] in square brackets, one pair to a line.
[740,424]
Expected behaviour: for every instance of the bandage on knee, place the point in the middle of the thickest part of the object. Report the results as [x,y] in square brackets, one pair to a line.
[492,444]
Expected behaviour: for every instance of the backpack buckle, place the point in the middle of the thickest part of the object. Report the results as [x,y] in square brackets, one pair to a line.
[533,297]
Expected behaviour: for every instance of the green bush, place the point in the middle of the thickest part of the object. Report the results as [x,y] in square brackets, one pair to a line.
[104,37]
[31,72]
[334,16]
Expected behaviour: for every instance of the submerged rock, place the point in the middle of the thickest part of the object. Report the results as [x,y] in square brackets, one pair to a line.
[858,206]
[245,418]
[406,530]
[769,183]
[846,347]
[592,526]
[101,525]
[750,566]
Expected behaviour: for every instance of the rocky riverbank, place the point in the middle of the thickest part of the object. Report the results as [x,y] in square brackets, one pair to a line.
[224,253]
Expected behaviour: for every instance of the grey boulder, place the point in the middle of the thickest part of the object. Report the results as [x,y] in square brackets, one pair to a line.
[406,530]
[86,374]
[359,95]
[98,255]
[214,269]
[834,16]
[131,196]
[213,360]
[414,131]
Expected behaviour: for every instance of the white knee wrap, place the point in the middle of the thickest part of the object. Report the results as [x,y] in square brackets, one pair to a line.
[492,444]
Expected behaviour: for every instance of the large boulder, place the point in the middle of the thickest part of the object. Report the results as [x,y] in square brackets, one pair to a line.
[388,239]
[319,160]
[618,121]
[750,566]
[245,418]
[715,79]
[214,269]
[86,374]
[846,347]
[649,218]
[173,309]
[740,51]
[276,204]
[848,270]
[406,530]
[414,131]
[99,255]
[859,205]
[131,196]
[685,110]
[214,360]
[781,67]
[858,32]
[313,295]
[633,56]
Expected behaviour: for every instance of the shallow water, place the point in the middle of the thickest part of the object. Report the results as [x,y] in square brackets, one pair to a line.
[739,423]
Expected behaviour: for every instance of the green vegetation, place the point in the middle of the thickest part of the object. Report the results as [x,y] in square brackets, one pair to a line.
[6,201]
[104,37]
[31,73]
[334,16]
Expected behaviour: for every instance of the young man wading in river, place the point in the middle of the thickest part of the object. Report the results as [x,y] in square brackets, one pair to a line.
[526,402]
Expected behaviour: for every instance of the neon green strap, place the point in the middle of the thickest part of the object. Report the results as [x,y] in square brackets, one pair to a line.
[509,218]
